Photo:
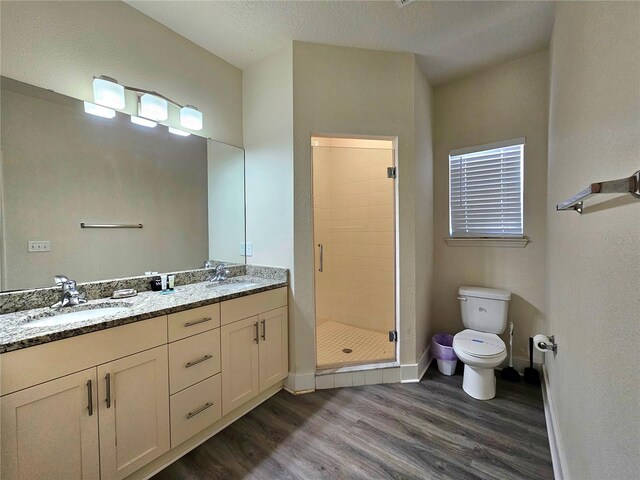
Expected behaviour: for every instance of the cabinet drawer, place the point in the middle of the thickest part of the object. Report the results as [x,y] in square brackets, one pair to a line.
[194,409]
[193,359]
[244,307]
[190,322]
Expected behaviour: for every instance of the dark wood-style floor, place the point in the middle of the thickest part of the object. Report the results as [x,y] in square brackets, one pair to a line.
[426,430]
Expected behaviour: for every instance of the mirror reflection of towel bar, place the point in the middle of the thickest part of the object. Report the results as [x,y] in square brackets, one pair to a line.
[110,225]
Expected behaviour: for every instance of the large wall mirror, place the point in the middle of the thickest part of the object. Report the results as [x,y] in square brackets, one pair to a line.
[62,168]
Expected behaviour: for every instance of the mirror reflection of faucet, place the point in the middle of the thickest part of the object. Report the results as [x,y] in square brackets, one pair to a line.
[220,274]
[69,294]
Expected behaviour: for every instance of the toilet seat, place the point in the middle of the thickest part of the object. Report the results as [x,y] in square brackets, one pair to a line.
[479,344]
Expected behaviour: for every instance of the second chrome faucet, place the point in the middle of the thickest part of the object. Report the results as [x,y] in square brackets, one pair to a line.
[69,294]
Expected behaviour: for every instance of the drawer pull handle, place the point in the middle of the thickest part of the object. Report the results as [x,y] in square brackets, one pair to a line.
[200,410]
[90,398]
[255,339]
[107,380]
[264,329]
[196,322]
[200,360]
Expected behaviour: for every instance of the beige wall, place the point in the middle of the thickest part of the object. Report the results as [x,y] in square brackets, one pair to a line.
[502,103]
[62,167]
[593,286]
[268,135]
[62,45]
[354,221]
[424,260]
[351,91]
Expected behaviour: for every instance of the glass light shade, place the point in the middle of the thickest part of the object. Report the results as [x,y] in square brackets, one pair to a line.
[98,110]
[177,131]
[153,107]
[143,121]
[108,93]
[191,118]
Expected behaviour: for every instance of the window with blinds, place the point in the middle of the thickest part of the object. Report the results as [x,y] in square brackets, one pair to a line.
[485,190]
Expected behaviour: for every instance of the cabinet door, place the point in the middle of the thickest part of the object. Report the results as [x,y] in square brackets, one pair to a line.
[239,352]
[133,396]
[274,347]
[51,430]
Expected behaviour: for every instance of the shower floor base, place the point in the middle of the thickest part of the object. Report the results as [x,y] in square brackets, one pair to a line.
[336,339]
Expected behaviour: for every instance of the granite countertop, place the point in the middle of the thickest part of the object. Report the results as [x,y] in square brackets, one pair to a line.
[15,332]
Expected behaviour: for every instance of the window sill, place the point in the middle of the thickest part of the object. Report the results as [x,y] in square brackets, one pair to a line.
[487,242]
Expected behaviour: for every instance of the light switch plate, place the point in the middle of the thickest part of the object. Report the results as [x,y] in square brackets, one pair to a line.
[243,248]
[249,249]
[39,246]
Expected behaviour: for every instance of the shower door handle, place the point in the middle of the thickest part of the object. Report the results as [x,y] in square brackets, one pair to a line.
[321,257]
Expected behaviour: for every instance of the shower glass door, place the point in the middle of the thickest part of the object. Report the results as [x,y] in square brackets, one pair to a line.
[354,241]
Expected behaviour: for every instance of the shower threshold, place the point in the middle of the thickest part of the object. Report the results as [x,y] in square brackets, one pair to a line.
[342,347]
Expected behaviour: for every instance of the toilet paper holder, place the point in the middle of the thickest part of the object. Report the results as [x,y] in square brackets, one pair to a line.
[553,346]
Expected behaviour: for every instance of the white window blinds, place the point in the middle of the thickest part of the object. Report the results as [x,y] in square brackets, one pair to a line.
[485,190]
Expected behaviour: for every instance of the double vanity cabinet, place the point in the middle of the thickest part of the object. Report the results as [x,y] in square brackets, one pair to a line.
[105,404]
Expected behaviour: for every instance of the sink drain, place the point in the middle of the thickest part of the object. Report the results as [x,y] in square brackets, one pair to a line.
[346,350]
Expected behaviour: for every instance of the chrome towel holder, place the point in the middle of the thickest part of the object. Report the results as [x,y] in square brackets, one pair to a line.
[110,225]
[622,185]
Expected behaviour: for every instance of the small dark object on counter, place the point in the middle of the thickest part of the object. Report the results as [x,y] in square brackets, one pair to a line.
[156,284]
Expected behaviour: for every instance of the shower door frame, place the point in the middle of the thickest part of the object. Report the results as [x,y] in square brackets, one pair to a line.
[396,242]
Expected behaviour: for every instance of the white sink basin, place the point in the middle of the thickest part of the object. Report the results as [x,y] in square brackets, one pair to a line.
[73,317]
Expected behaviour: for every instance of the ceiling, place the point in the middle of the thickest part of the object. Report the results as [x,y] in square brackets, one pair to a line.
[451,38]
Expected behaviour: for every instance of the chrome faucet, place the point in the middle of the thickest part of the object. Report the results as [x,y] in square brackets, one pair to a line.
[220,273]
[69,295]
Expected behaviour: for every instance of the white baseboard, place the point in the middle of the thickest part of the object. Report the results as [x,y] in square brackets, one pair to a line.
[558,457]
[300,383]
[413,373]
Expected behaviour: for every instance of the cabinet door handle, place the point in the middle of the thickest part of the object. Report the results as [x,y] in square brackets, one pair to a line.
[196,322]
[255,325]
[200,360]
[200,410]
[107,381]
[89,398]
[264,329]
[321,257]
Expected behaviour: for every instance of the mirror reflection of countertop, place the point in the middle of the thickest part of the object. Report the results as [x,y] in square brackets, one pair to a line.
[16,333]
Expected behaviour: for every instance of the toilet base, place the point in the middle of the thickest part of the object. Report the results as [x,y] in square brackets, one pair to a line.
[479,383]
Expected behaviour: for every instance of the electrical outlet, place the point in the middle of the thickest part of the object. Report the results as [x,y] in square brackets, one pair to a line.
[246,248]
[39,246]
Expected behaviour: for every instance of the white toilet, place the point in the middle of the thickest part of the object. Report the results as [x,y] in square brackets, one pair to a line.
[484,313]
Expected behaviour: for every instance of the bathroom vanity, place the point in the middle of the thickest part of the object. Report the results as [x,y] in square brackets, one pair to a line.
[124,395]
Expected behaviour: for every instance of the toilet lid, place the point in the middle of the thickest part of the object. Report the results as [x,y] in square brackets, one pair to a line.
[479,344]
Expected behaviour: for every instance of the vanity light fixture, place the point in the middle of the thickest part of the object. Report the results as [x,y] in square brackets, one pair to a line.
[191,117]
[153,107]
[143,121]
[99,110]
[177,131]
[107,92]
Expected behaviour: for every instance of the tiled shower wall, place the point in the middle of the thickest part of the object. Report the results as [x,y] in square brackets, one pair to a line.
[354,220]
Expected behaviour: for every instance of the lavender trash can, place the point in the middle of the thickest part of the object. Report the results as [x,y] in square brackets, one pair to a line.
[442,348]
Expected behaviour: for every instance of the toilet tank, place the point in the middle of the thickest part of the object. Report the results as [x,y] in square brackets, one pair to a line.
[484,309]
